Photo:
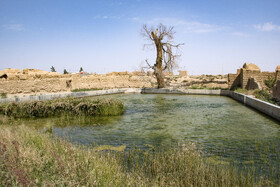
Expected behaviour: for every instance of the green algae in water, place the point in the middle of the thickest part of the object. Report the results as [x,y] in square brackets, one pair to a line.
[224,129]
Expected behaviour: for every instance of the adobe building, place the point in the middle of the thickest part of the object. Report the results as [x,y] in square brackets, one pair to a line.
[250,77]
[183,73]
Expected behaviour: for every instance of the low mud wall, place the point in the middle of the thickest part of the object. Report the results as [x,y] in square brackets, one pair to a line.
[68,83]
[49,96]
[32,82]
[184,91]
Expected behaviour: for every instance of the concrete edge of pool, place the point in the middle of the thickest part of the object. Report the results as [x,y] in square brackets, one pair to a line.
[262,106]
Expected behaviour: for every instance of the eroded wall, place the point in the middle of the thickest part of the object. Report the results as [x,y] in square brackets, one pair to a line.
[240,79]
[30,81]
[234,80]
[68,83]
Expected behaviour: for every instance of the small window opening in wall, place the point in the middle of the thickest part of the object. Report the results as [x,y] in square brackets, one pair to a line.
[4,76]
[69,84]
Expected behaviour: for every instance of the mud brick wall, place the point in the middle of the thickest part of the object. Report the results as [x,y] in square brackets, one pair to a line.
[259,77]
[241,78]
[33,86]
[278,75]
[248,74]
[107,82]
[233,80]
[22,84]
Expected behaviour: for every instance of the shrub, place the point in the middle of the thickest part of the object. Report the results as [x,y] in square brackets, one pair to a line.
[264,95]
[3,95]
[270,82]
[194,87]
[202,87]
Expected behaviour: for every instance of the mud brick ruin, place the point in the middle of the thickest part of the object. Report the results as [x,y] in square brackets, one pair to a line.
[250,77]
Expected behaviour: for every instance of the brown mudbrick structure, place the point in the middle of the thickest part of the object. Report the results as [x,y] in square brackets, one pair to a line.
[250,77]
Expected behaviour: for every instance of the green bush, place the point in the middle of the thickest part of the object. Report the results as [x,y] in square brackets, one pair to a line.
[270,82]
[3,95]
[194,87]
[264,95]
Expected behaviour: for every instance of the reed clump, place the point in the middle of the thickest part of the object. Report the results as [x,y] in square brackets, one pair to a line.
[31,158]
[74,106]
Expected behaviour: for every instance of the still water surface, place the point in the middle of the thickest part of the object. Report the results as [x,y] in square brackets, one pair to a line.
[220,126]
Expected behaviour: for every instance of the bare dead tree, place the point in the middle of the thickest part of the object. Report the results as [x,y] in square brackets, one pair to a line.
[162,39]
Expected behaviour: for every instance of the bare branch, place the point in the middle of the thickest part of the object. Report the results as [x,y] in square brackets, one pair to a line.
[168,32]
[169,44]
[149,64]
[146,32]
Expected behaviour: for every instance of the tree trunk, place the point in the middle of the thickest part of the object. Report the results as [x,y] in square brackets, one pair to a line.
[160,77]
[158,66]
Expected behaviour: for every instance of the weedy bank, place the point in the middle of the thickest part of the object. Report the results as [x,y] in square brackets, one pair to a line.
[55,107]
[31,158]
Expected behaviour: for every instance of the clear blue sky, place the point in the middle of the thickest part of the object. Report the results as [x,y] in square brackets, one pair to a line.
[104,35]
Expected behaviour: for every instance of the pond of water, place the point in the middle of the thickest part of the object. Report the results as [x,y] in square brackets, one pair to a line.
[220,126]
